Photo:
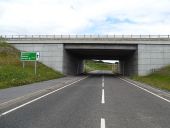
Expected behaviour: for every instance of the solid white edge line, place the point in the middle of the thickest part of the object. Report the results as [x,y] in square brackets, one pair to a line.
[103,97]
[102,125]
[146,90]
[20,106]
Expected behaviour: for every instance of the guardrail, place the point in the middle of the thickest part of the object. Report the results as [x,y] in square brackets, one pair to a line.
[18,37]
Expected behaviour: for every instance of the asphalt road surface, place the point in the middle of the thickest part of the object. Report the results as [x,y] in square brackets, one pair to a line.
[99,101]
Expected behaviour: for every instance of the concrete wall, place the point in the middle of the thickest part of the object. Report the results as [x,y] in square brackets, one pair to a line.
[56,57]
[72,64]
[50,54]
[151,57]
[147,59]
[131,64]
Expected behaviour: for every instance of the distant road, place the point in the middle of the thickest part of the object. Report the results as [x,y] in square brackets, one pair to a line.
[99,101]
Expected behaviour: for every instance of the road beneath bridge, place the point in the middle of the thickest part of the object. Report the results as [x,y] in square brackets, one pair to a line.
[99,101]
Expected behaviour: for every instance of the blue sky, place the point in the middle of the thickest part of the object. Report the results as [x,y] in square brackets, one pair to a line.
[84,17]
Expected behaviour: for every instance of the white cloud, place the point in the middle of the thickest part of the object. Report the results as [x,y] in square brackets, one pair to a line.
[84,16]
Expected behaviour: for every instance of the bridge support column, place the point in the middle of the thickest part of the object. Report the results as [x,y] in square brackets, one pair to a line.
[72,65]
[129,65]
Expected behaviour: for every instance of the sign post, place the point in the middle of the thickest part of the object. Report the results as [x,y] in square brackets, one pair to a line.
[23,64]
[30,56]
[35,67]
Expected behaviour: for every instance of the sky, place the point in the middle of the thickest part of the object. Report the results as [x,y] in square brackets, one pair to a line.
[84,17]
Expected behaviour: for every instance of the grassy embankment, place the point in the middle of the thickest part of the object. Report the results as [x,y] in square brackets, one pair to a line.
[159,79]
[91,65]
[12,73]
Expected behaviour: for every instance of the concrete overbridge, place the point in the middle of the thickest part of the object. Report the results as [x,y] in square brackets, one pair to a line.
[138,54]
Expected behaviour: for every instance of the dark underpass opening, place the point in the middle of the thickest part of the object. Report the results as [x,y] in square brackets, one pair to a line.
[77,56]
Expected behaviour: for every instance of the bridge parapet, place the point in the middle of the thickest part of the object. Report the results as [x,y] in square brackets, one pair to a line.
[86,37]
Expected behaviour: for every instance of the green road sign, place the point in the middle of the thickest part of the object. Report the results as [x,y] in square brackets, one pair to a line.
[29,56]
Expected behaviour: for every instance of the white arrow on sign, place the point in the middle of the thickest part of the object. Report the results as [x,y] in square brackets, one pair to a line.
[37,55]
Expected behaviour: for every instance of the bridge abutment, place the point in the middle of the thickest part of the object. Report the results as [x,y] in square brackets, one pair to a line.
[152,57]
[129,66]
[72,64]
[55,57]
[50,54]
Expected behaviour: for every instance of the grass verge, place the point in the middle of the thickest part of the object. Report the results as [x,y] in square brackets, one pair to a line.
[12,73]
[159,79]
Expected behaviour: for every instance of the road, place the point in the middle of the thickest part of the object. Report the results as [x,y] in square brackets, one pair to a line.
[99,101]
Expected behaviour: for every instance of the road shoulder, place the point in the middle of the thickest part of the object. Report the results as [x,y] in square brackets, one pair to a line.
[162,93]
[11,96]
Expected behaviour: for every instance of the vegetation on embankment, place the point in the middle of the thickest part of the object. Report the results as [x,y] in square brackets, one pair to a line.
[91,65]
[12,73]
[159,79]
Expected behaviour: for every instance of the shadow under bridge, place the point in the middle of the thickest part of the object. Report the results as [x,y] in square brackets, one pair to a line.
[74,54]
